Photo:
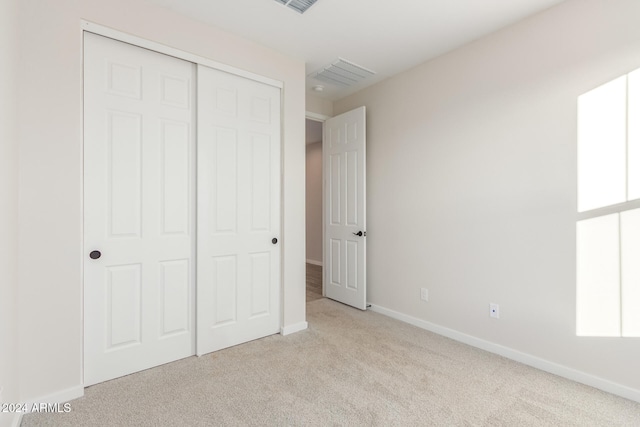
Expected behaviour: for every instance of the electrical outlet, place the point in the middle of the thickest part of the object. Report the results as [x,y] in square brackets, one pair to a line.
[494,310]
[424,294]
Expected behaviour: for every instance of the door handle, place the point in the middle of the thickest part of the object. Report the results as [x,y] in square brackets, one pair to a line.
[95,254]
[274,240]
[359,234]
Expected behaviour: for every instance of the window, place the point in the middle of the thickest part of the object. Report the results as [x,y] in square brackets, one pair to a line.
[608,226]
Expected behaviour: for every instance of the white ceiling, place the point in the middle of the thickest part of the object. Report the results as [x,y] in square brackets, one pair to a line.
[386,36]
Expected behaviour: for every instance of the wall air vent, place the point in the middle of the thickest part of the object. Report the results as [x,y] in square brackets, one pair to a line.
[342,73]
[299,6]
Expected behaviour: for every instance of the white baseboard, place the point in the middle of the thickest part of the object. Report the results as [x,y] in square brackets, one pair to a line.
[314,262]
[61,396]
[518,356]
[17,420]
[291,329]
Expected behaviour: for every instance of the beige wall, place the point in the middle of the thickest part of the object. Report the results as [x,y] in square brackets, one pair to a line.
[322,107]
[8,204]
[315,104]
[471,165]
[50,256]
[314,201]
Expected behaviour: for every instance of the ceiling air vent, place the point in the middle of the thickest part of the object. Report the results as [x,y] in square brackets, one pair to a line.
[299,6]
[342,73]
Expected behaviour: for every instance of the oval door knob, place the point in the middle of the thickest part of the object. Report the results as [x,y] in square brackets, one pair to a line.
[95,254]
[274,240]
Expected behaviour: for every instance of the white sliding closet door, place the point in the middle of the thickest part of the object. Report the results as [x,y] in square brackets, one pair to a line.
[139,195]
[238,279]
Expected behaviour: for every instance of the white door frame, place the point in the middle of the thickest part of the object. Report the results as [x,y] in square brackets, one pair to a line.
[320,118]
[87,26]
[167,50]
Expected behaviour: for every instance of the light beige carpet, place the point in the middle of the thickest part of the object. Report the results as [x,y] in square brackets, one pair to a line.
[349,368]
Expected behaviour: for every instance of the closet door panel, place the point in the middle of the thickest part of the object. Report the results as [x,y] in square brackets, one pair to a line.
[238,210]
[139,209]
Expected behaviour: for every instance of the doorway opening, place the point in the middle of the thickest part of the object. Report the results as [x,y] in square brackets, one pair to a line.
[151,295]
[343,207]
[313,209]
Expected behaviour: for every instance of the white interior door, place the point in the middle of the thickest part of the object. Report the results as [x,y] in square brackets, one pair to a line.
[345,216]
[139,218]
[238,277]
